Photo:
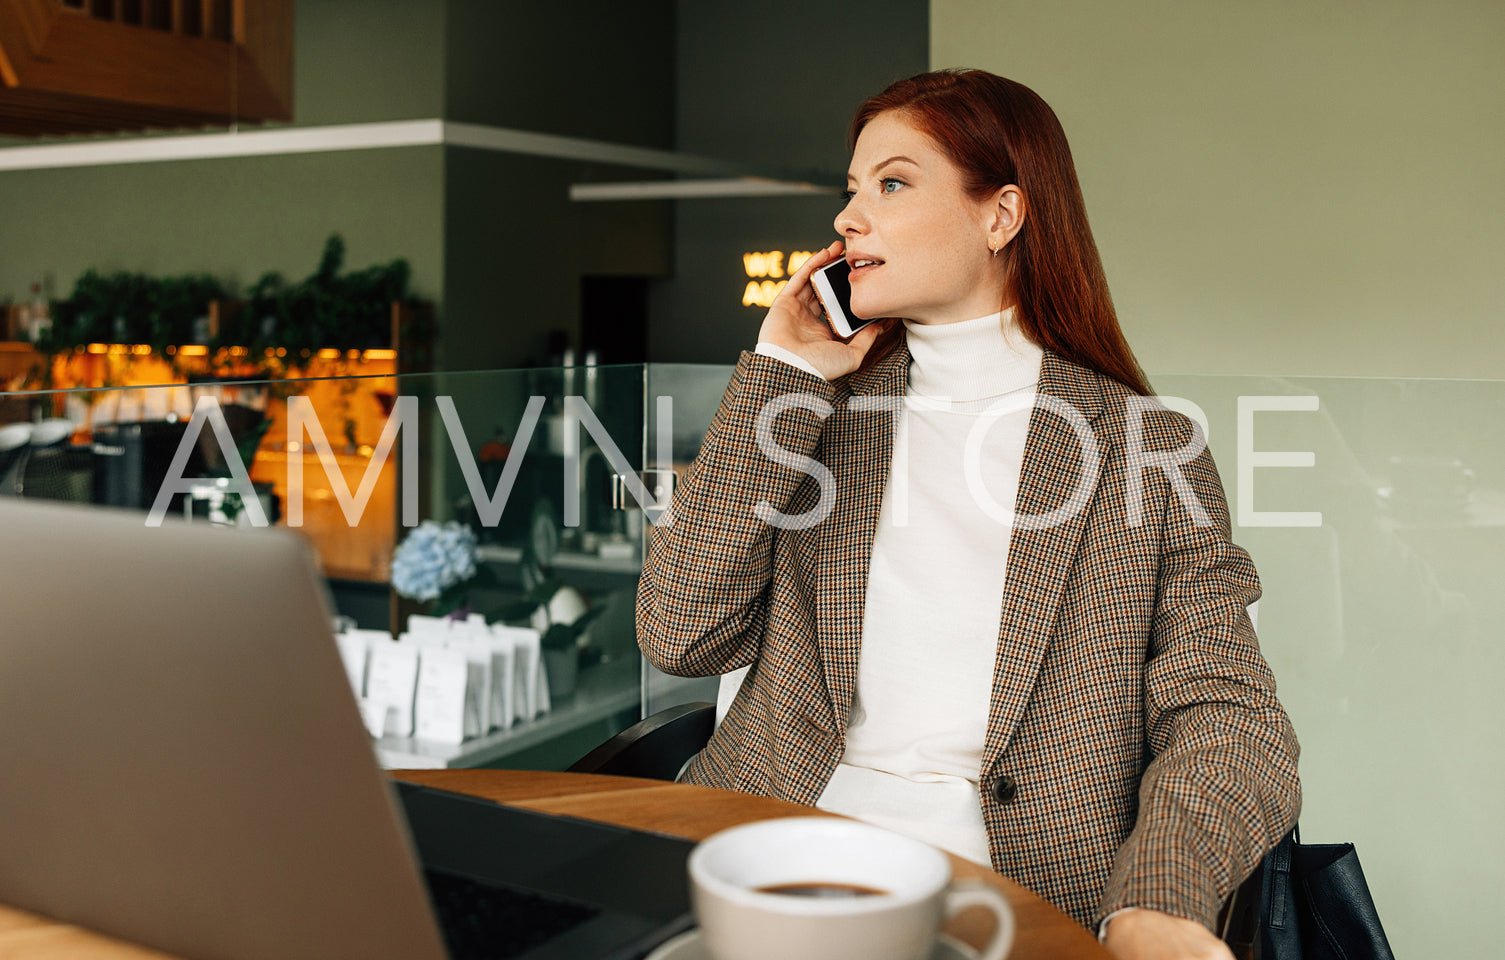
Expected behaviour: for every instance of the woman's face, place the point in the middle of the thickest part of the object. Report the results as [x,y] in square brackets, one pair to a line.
[930,241]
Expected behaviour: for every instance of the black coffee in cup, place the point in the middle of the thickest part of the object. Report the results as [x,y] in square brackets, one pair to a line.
[821,890]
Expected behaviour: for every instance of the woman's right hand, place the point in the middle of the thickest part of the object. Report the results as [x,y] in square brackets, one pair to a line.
[796,323]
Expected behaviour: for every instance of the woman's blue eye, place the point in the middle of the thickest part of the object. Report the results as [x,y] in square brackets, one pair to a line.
[887,184]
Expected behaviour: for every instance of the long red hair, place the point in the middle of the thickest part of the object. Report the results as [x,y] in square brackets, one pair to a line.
[999,132]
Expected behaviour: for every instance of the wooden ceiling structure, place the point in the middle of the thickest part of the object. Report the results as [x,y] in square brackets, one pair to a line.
[97,66]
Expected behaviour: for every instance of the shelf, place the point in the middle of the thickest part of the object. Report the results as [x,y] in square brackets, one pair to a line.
[603,691]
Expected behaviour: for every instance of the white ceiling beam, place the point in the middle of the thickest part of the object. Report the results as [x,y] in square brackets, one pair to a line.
[371,136]
[215,146]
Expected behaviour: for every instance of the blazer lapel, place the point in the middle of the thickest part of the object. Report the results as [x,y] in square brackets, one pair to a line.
[857,448]
[1056,484]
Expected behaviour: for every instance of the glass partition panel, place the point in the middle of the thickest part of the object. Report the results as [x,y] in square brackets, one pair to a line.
[521,461]
[546,445]
[1381,563]
[694,392]
[1374,509]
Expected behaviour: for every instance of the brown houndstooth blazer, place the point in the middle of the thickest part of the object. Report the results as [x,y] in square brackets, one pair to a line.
[1132,710]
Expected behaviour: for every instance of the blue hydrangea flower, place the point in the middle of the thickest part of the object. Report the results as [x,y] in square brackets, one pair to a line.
[433,558]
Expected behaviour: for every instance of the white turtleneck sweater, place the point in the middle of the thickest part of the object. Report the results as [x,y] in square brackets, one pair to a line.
[935,585]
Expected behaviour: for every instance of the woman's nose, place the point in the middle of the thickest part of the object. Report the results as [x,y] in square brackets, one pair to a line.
[850,220]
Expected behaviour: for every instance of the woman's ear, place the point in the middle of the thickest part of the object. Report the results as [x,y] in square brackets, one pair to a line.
[1008,209]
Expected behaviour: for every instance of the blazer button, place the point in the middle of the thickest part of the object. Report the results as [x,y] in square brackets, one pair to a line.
[1005,788]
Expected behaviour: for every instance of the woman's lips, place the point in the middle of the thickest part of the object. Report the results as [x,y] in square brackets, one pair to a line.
[865,265]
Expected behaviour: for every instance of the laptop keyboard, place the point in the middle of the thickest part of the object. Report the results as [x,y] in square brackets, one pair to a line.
[481,921]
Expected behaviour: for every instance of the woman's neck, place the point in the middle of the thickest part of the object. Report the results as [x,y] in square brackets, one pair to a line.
[973,359]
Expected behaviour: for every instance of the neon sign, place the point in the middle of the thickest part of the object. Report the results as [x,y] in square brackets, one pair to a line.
[767,272]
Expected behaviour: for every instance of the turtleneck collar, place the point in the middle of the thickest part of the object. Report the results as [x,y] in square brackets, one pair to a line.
[971,360]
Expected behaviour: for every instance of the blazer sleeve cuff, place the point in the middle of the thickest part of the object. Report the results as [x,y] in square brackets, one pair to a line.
[788,356]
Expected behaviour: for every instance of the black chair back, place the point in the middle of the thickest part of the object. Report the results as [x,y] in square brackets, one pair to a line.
[655,748]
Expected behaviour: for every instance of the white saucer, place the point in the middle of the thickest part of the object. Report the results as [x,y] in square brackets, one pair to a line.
[689,946]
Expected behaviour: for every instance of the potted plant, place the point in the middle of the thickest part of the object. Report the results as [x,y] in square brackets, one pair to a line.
[436,564]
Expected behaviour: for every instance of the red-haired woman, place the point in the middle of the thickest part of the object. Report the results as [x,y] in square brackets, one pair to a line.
[982,585]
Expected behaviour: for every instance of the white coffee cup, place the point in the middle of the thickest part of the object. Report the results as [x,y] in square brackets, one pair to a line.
[742,919]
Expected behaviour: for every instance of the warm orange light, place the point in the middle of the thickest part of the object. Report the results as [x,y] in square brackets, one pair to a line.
[762,294]
[329,353]
[99,348]
[381,354]
[237,351]
[774,264]
[770,264]
[141,350]
[194,350]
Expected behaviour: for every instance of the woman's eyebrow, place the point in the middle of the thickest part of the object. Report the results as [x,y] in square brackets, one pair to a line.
[899,159]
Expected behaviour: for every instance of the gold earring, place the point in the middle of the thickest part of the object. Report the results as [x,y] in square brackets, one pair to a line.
[994,249]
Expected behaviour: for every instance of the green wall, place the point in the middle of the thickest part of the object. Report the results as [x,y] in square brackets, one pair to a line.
[355,61]
[232,218]
[515,245]
[360,61]
[517,248]
[1283,188]
[1309,189]
[577,68]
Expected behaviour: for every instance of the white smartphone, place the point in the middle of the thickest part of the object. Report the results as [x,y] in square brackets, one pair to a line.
[834,291]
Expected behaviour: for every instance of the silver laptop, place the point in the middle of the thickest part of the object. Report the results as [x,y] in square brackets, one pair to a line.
[182,765]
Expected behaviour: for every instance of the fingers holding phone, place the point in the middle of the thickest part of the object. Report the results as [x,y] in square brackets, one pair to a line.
[799,291]
[797,321]
[795,317]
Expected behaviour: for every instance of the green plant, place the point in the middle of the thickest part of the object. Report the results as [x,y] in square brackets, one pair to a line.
[132,308]
[326,309]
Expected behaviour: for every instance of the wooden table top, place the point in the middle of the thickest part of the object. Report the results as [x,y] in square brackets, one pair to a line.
[673,808]
[695,813]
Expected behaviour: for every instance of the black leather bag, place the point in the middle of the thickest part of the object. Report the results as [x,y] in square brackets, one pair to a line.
[1315,905]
